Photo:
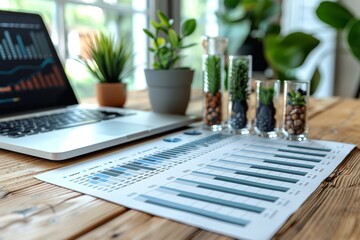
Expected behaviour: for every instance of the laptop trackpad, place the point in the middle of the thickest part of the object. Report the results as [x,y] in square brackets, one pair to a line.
[113,128]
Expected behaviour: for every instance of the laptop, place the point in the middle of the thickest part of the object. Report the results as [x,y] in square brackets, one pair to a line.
[39,113]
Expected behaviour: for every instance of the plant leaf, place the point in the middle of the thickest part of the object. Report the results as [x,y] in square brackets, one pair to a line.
[353,35]
[289,52]
[189,45]
[110,61]
[156,25]
[231,4]
[173,38]
[147,32]
[315,81]
[163,19]
[334,14]
[188,27]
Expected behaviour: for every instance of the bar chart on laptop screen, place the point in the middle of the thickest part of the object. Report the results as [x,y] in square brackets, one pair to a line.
[27,64]
[243,187]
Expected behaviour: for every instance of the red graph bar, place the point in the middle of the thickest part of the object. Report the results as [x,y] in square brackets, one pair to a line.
[23,86]
[41,80]
[36,83]
[30,84]
[48,81]
[58,76]
[5,89]
[53,80]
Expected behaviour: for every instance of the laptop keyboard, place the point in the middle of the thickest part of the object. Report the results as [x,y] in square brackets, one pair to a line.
[70,118]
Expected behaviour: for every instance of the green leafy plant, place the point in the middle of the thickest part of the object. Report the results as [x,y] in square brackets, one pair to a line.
[297,97]
[166,43]
[336,15]
[239,79]
[253,18]
[213,73]
[286,53]
[258,19]
[266,95]
[110,61]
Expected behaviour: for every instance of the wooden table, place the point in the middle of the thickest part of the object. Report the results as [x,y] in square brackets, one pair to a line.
[32,209]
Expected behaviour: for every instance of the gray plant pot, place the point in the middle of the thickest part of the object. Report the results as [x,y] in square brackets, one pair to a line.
[169,90]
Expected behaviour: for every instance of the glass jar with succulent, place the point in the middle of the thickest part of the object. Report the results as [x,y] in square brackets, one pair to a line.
[110,63]
[267,102]
[213,66]
[296,95]
[169,85]
[239,90]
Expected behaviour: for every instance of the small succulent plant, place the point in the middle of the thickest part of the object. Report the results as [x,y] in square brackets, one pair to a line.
[239,79]
[297,97]
[266,95]
[213,73]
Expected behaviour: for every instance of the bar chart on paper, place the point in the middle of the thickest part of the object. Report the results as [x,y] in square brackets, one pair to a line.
[242,187]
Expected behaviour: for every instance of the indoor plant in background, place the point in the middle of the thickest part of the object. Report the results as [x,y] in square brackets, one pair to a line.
[287,53]
[169,86]
[258,21]
[109,63]
[339,17]
[246,23]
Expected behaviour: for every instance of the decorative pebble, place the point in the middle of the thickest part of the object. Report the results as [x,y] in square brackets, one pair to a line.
[295,117]
[213,109]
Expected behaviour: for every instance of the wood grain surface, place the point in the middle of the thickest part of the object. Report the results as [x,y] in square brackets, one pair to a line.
[32,209]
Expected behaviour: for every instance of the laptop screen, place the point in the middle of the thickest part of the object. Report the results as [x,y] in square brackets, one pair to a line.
[31,75]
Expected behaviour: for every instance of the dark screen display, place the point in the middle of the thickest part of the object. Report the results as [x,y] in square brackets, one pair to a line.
[31,75]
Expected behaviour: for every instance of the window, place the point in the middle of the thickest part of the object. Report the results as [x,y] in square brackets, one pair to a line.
[70,22]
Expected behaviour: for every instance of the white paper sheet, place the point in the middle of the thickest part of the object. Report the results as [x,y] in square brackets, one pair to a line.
[240,186]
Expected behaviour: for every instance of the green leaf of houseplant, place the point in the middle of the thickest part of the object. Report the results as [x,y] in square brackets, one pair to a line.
[353,37]
[315,81]
[163,19]
[173,38]
[334,14]
[289,52]
[147,32]
[155,24]
[188,27]
[231,4]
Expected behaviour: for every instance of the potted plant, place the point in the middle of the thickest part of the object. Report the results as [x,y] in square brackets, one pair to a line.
[109,63]
[169,86]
